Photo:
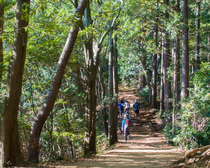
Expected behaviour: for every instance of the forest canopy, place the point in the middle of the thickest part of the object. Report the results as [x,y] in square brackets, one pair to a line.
[62,63]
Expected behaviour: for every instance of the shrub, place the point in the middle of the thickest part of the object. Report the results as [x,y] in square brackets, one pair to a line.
[194,124]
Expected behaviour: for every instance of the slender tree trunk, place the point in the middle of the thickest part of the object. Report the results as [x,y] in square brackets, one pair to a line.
[1,74]
[185,51]
[90,115]
[197,23]
[38,123]
[12,151]
[176,98]
[78,83]
[143,77]
[101,97]
[161,84]
[154,81]
[1,42]
[112,120]
[166,56]
[154,67]
[115,86]
[111,111]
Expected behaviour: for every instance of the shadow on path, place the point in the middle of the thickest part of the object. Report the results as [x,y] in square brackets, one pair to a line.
[147,147]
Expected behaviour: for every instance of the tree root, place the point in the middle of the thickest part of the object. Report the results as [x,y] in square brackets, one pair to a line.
[197,158]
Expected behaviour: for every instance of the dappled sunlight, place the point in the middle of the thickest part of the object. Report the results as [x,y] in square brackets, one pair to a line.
[144,149]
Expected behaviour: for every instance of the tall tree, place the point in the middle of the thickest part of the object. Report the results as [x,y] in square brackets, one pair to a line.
[91,68]
[38,123]
[92,63]
[115,85]
[1,42]
[112,112]
[110,65]
[161,85]
[197,23]
[185,51]
[12,151]
[78,83]
[142,78]
[176,72]
[101,97]
[154,66]
[166,60]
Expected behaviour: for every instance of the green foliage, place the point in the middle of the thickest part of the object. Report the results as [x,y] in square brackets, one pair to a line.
[193,122]
[2,101]
[50,22]
[102,141]
[62,136]
[144,94]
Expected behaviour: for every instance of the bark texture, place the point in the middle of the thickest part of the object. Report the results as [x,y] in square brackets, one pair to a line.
[161,88]
[1,42]
[79,84]
[197,23]
[154,66]
[12,152]
[38,123]
[1,73]
[143,81]
[185,51]
[112,120]
[101,97]
[166,59]
[90,114]
[177,91]
[115,86]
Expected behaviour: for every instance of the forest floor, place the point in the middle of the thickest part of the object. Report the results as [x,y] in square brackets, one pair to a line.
[146,148]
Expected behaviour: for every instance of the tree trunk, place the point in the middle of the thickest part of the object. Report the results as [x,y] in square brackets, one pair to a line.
[185,51]
[38,123]
[12,151]
[112,120]
[1,142]
[197,23]
[154,81]
[101,97]
[154,66]
[90,114]
[161,82]
[79,90]
[143,77]
[176,98]
[1,42]
[166,56]
[115,86]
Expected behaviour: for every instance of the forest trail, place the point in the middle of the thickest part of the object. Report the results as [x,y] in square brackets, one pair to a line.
[147,147]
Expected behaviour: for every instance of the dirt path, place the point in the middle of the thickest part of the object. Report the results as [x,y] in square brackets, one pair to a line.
[146,148]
